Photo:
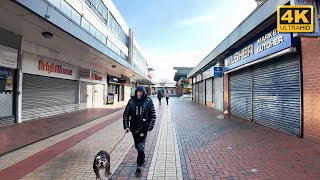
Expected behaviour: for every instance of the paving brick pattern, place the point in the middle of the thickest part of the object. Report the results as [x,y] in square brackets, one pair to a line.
[16,136]
[27,151]
[76,162]
[213,146]
[127,167]
[166,161]
[189,141]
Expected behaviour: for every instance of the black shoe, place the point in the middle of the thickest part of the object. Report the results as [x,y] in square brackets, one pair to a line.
[138,170]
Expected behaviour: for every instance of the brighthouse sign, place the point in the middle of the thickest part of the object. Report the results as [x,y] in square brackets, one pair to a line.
[295,19]
[268,43]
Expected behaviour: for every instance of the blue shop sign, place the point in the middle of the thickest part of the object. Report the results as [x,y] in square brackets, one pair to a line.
[268,43]
[217,71]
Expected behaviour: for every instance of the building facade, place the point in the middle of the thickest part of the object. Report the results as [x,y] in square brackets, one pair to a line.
[183,84]
[268,77]
[60,56]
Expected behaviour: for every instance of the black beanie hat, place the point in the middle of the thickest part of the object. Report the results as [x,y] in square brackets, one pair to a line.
[140,88]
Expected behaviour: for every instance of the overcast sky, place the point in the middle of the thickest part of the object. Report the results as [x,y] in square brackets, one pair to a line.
[181,32]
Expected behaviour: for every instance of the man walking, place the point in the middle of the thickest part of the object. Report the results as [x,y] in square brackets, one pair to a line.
[159,97]
[139,117]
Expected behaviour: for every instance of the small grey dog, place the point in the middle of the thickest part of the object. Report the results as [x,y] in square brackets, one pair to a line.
[101,161]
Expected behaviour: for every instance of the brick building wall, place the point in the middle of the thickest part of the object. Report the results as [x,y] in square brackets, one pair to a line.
[311,87]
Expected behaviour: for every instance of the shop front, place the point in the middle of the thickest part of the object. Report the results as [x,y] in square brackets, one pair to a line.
[199,89]
[265,81]
[208,79]
[49,87]
[8,66]
[92,89]
[116,89]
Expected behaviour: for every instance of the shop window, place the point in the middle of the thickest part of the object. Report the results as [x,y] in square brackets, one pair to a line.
[6,92]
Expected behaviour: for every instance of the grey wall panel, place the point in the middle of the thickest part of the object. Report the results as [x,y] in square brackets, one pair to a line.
[218,93]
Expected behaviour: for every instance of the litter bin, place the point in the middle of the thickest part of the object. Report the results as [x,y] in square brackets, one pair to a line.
[110,98]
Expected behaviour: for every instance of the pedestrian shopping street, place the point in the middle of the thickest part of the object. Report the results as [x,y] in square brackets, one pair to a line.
[189,141]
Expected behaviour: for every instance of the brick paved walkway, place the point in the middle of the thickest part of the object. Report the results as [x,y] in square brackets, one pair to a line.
[189,141]
[19,135]
[127,168]
[212,146]
[166,160]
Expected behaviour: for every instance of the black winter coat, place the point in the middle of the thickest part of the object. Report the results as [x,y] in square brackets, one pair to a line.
[130,120]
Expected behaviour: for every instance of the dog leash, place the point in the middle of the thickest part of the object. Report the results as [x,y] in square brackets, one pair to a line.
[118,143]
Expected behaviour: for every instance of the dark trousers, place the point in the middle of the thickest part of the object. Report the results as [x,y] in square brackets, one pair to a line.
[167,98]
[139,143]
[159,101]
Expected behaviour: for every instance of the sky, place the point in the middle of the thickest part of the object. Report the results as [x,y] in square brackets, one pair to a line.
[181,33]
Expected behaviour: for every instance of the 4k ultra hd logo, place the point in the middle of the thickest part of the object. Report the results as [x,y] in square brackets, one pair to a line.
[295,19]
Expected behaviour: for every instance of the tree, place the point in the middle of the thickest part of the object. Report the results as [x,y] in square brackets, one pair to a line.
[162,82]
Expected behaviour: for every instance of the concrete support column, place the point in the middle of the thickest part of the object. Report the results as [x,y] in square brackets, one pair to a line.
[226,93]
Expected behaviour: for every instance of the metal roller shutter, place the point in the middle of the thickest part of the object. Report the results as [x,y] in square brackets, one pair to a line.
[201,92]
[209,91]
[86,95]
[277,94]
[218,93]
[197,92]
[241,93]
[45,96]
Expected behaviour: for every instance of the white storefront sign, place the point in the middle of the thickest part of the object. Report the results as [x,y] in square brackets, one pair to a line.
[94,77]
[98,77]
[208,73]
[8,57]
[199,78]
[34,64]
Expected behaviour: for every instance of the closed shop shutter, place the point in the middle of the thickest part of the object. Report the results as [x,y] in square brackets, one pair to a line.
[241,93]
[277,94]
[197,92]
[193,92]
[98,95]
[218,93]
[86,95]
[201,92]
[209,91]
[45,96]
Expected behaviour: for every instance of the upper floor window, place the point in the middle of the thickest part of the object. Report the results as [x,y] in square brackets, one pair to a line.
[92,4]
